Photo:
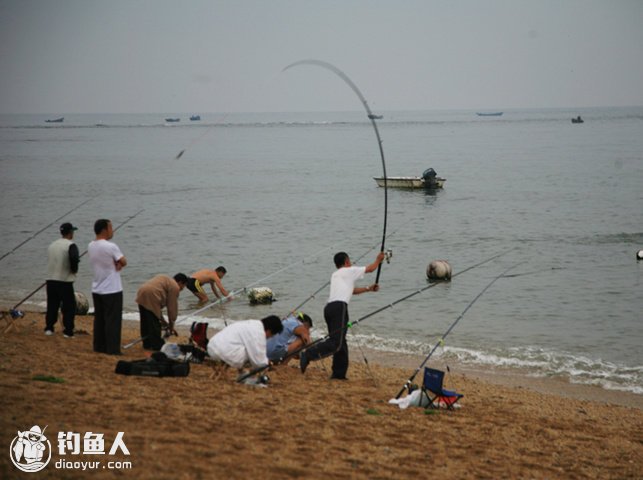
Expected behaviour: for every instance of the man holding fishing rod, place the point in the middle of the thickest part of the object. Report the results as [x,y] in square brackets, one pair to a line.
[342,288]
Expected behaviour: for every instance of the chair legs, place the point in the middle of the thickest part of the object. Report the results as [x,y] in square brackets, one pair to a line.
[437,401]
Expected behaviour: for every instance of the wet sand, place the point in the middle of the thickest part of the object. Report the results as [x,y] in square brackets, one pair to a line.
[306,426]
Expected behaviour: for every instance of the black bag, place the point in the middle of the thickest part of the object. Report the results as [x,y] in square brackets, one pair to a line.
[158,365]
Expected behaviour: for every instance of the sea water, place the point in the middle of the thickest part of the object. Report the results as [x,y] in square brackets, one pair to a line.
[273,196]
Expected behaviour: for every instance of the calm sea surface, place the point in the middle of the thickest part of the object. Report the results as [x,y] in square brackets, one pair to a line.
[273,196]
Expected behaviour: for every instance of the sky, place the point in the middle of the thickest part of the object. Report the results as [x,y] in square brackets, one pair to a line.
[152,56]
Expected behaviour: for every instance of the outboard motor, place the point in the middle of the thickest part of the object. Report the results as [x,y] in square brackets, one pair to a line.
[429,173]
[429,178]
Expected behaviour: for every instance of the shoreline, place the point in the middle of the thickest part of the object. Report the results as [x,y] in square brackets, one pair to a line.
[301,426]
[514,378]
[508,377]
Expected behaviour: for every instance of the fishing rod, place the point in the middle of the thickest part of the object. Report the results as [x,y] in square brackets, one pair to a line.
[233,293]
[389,254]
[13,310]
[375,312]
[372,118]
[441,341]
[229,297]
[42,230]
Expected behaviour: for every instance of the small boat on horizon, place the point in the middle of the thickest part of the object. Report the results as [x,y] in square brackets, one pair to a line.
[429,180]
[578,120]
[172,119]
[55,120]
[195,118]
[489,114]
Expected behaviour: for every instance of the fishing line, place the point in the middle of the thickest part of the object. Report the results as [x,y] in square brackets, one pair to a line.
[40,231]
[533,271]
[197,139]
[389,254]
[372,118]
[440,342]
[216,124]
[245,288]
[80,256]
[375,312]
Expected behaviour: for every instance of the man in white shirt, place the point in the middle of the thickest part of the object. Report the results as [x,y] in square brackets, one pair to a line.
[244,342]
[342,288]
[107,261]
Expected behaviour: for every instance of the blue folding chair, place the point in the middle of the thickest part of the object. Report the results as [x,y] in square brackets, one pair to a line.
[433,388]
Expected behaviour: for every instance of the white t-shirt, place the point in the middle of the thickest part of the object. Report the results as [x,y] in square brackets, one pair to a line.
[240,342]
[102,255]
[342,283]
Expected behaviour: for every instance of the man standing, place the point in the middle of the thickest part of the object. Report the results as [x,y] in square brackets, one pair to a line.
[342,288]
[107,260]
[244,342]
[154,295]
[62,267]
[198,279]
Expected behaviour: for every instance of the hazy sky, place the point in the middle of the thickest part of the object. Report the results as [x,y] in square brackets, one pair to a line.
[140,56]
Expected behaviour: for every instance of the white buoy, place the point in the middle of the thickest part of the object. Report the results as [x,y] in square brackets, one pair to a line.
[639,255]
[82,304]
[438,270]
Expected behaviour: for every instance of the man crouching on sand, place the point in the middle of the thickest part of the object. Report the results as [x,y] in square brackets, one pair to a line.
[244,342]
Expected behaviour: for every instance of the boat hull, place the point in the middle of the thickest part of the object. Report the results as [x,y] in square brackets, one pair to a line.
[409,182]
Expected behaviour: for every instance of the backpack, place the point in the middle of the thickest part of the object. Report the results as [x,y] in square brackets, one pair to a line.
[158,365]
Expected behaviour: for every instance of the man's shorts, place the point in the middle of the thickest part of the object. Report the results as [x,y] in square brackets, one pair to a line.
[194,286]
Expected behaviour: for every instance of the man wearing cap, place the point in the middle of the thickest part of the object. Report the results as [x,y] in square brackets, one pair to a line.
[62,266]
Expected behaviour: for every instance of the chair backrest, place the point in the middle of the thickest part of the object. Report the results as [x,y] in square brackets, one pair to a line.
[433,379]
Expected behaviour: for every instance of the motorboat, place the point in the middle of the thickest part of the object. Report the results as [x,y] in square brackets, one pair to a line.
[428,180]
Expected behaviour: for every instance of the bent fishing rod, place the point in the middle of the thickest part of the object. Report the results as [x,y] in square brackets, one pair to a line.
[372,118]
[441,340]
[80,256]
[45,228]
[375,312]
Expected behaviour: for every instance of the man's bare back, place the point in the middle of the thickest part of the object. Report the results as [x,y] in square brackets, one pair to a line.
[212,277]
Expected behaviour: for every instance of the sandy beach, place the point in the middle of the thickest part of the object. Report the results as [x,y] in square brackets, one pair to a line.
[306,426]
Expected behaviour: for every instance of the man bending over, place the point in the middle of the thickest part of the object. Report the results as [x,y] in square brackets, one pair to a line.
[199,279]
